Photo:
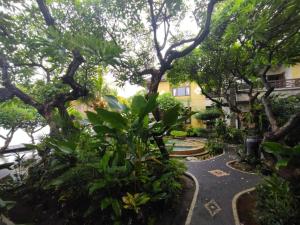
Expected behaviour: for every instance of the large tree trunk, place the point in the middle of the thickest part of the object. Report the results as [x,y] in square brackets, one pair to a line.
[153,88]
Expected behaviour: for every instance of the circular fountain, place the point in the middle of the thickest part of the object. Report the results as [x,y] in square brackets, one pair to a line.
[187,147]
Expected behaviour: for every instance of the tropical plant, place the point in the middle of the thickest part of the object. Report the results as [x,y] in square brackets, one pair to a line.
[284,154]
[108,172]
[276,203]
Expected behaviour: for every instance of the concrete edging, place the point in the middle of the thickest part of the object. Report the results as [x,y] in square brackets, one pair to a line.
[193,203]
[212,158]
[234,204]
[241,171]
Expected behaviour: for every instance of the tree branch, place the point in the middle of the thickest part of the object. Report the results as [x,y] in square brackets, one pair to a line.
[12,89]
[46,13]
[154,27]
[291,124]
[171,54]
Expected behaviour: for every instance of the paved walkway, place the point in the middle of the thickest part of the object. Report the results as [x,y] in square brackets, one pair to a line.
[217,186]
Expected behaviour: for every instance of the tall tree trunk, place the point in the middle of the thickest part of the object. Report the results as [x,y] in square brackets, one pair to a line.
[153,88]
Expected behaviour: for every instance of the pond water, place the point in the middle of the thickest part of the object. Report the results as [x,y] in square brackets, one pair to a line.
[183,147]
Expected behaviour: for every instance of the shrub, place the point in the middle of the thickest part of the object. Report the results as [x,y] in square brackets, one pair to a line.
[209,114]
[234,136]
[276,203]
[215,146]
[198,132]
[229,134]
[106,173]
[167,101]
[178,133]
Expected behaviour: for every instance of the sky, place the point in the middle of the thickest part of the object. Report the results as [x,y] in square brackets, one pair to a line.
[127,91]
[187,25]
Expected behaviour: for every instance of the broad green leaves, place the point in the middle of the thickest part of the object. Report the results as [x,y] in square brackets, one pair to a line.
[283,153]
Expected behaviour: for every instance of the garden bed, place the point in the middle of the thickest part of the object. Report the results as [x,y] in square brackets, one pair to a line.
[245,208]
[242,166]
[175,214]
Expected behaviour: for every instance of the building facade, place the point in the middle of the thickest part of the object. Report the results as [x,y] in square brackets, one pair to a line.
[190,95]
[285,80]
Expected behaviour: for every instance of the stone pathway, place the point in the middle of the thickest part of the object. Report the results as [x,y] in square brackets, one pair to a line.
[217,186]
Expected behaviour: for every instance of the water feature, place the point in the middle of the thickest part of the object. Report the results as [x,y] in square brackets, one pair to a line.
[186,147]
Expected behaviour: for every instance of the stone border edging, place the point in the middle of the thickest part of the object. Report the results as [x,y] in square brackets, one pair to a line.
[212,158]
[193,203]
[231,167]
[234,204]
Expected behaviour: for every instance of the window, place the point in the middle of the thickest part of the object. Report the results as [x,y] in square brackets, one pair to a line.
[181,91]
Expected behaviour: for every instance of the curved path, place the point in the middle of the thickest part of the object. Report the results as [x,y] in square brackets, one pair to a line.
[217,186]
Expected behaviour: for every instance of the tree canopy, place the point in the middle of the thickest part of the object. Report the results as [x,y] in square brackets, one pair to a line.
[247,39]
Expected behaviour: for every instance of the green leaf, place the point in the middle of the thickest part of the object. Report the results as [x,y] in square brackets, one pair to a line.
[104,162]
[114,104]
[93,117]
[101,129]
[99,184]
[114,119]
[282,163]
[170,116]
[138,104]
[150,106]
[296,150]
[105,203]
[62,147]
[273,147]
[116,207]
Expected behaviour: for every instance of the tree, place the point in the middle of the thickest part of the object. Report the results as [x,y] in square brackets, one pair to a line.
[89,35]
[14,116]
[157,53]
[39,40]
[248,38]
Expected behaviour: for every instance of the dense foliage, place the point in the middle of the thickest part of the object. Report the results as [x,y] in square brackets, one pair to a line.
[209,114]
[109,172]
[247,39]
[15,115]
[277,203]
[167,101]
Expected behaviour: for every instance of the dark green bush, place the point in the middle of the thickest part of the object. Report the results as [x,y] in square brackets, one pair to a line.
[215,146]
[178,133]
[198,132]
[276,203]
[229,134]
[167,101]
[209,114]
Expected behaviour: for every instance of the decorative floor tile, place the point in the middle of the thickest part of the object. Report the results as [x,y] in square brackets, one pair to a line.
[212,207]
[218,173]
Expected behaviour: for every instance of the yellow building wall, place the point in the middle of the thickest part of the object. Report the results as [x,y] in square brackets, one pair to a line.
[295,71]
[196,100]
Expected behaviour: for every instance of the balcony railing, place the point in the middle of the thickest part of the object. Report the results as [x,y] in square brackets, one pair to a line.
[288,83]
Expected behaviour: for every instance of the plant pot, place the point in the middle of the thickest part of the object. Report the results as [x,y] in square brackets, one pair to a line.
[252,146]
